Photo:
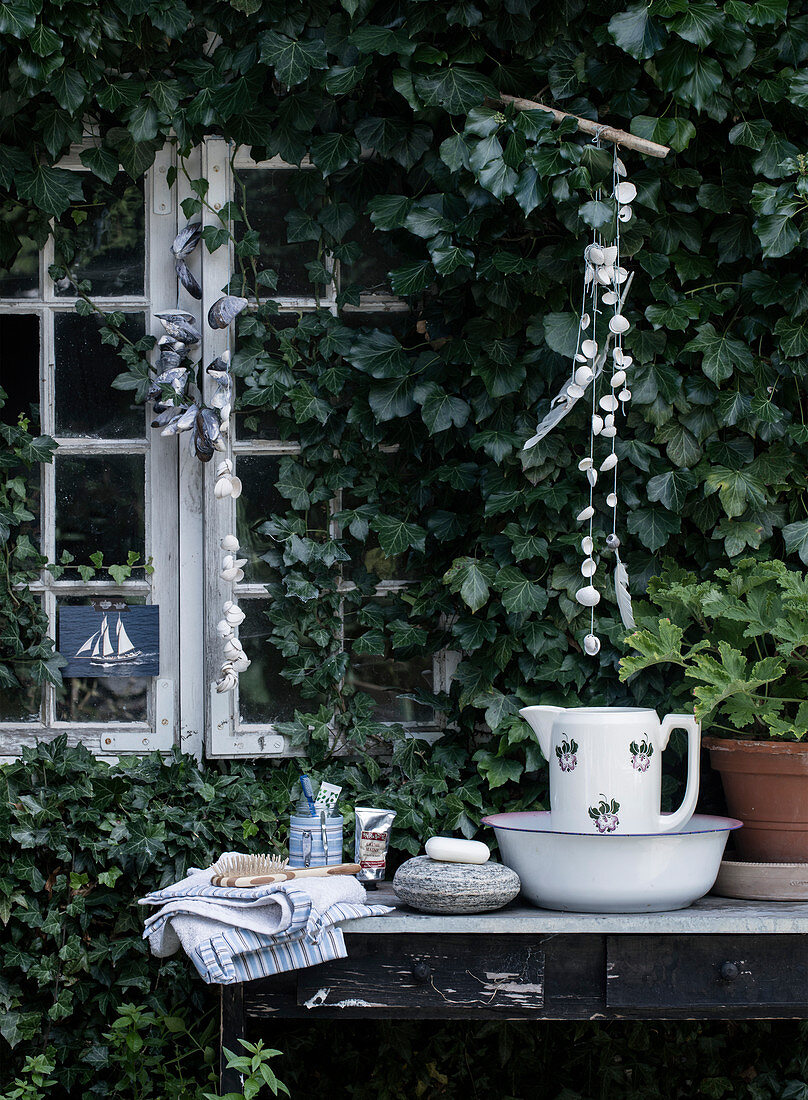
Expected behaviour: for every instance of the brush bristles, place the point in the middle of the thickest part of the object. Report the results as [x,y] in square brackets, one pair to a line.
[246,866]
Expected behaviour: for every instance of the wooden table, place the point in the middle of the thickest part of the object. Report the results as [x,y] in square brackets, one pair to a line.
[719,959]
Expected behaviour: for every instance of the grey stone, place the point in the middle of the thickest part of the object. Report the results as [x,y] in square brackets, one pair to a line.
[433,886]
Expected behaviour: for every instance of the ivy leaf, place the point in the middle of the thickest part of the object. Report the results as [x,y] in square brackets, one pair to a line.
[636,32]
[777,234]
[18,17]
[737,489]
[472,579]
[439,409]
[292,58]
[396,536]
[497,770]
[653,526]
[69,89]
[721,353]
[101,162]
[561,332]
[699,22]
[293,483]
[389,211]
[51,190]
[519,594]
[751,134]
[793,336]
[675,132]
[330,152]
[451,257]
[412,279]
[379,354]
[671,488]
[392,399]
[796,539]
[44,41]
[455,89]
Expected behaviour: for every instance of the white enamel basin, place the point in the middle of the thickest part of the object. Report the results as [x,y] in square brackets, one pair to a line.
[594,873]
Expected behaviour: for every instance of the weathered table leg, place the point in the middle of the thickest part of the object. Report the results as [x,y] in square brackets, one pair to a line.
[231,1029]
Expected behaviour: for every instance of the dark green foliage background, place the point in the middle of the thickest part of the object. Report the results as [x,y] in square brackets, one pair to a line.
[484,217]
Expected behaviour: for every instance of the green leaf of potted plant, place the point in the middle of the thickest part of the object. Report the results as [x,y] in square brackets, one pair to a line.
[740,640]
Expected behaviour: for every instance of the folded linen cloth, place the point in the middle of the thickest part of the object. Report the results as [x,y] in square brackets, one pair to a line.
[234,934]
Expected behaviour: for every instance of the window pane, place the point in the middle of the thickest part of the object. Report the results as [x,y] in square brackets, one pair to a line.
[21,278]
[19,366]
[264,696]
[107,231]
[86,403]
[377,257]
[102,698]
[383,677]
[258,500]
[267,196]
[20,704]
[100,506]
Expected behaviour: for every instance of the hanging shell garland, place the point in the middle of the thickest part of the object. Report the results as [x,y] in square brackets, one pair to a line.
[606,284]
[224,312]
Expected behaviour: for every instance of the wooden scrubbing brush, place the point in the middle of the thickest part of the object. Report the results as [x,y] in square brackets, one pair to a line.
[246,871]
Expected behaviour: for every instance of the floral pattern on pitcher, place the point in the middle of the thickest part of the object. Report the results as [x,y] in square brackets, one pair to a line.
[567,755]
[641,755]
[604,815]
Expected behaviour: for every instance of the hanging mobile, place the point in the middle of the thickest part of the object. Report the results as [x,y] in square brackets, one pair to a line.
[606,283]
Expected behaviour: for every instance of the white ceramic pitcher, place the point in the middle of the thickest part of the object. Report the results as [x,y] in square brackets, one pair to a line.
[606,767]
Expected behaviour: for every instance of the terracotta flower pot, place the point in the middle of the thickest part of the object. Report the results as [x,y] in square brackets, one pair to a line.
[766,786]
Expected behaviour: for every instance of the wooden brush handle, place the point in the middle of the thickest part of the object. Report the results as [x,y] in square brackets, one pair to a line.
[285,876]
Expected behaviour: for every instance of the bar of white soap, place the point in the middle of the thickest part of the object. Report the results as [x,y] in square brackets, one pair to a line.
[448,849]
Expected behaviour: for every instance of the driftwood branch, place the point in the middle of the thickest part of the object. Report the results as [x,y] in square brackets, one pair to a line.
[607,133]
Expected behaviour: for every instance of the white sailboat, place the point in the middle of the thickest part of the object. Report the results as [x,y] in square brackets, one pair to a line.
[100,649]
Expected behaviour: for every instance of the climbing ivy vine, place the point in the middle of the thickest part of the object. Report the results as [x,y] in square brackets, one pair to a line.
[483,211]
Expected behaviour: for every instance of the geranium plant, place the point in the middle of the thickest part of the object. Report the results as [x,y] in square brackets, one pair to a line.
[741,641]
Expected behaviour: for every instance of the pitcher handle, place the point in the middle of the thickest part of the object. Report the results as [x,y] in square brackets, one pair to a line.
[670,822]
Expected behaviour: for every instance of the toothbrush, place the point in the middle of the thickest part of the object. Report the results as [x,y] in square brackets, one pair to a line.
[305,783]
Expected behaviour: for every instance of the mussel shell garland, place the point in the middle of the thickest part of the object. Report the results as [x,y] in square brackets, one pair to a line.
[224,312]
[188,279]
[180,325]
[187,239]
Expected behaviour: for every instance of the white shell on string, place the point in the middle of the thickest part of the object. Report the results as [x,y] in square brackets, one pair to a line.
[609,298]
[580,357]
[235,492]
[224,629]
[224,467]
[608,420]
[229,543]
[223,488]
[585,320]
[588,567]
[624,214]
[608,402]
[611,500]
[597,424]
[604,274]
[617,379]
[625,192]
[593,254]
[625,395]
[588,596]
[592,477]
[585,513]
[619,356]
[232,648]
[619,323]
[609,463]
[627,360]
[234,615]
[620,275]
[619,166]
[610,254]
[587,545]
[591,645]
[589,349]
[241,663]
[585,464]
[574,390]
[583,376]
[609,432]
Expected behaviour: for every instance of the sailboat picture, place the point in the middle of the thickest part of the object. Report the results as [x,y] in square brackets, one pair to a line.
[109,638]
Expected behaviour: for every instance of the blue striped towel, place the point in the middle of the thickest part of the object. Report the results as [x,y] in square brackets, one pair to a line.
[235,935]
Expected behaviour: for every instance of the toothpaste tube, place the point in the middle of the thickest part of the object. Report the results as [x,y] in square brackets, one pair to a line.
[373,827]
[327,797]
